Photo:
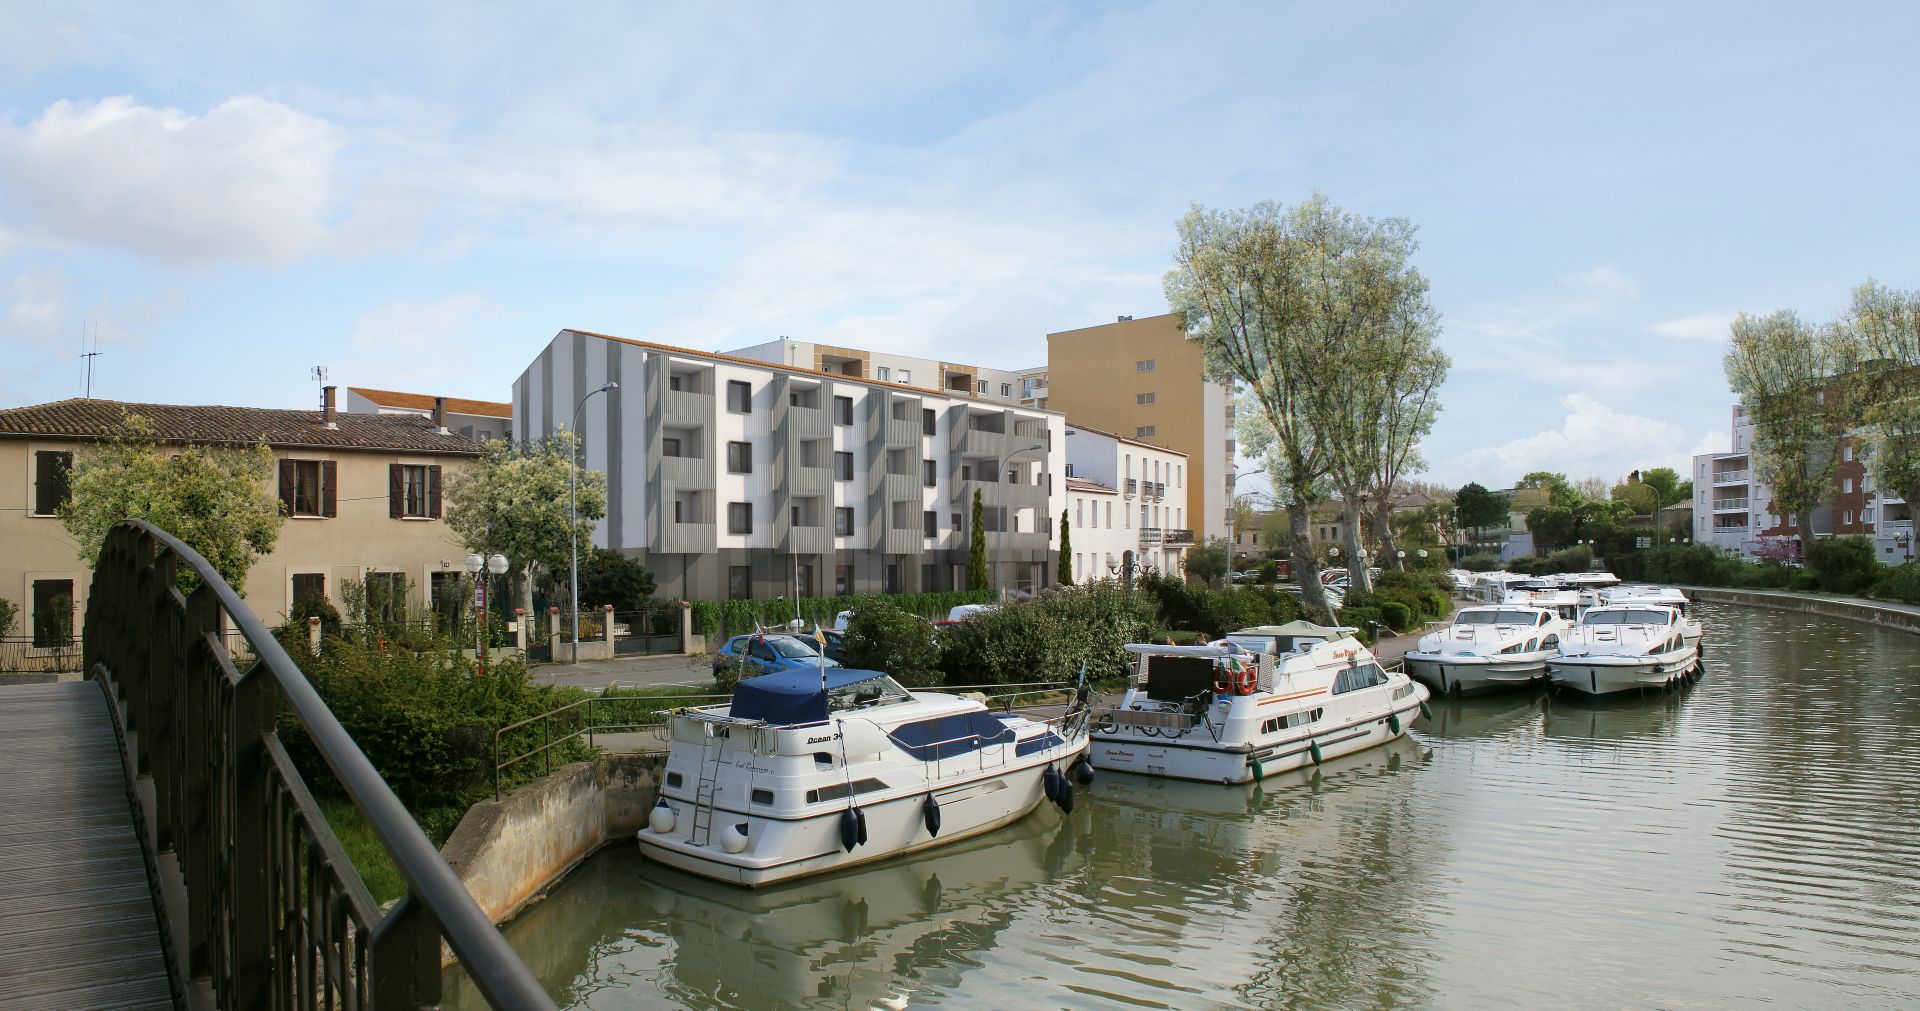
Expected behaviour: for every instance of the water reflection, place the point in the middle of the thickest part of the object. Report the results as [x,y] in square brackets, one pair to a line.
[1750,838]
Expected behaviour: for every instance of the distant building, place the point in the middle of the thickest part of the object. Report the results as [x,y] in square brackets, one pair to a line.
[479,420]
[952,379]
[362,492]
[1125,495]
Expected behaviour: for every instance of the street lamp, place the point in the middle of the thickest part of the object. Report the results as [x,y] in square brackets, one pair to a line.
[473,565]
[1000,478]
[573,513]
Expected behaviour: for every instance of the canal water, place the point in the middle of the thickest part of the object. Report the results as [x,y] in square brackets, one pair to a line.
[1753,839]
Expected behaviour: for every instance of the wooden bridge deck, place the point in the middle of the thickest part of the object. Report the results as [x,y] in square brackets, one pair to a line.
[77,922]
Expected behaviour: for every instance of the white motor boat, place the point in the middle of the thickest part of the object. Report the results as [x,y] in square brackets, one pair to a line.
[1505,646]
[809,771]
[1564,602]
[1260,701]
[1623,647]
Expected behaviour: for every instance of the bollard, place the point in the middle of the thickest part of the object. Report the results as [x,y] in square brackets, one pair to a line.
[313,634]
[606,623]
[520,629]
[686,628]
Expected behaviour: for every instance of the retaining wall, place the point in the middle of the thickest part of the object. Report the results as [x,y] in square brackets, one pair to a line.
[510,851]
[1904,617]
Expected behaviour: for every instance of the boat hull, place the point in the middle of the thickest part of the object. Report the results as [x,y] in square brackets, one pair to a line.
[1612,675]
[788,849]
[1195,756]
[1473,675]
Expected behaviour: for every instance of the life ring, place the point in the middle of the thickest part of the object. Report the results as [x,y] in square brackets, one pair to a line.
[1245,682]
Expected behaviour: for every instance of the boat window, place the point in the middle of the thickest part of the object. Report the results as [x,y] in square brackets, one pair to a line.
[840,791]
[1355,678]
[1625,616]
[822,758]
[874,691]
[1299,719]
[1550,642]
[947,736]
[673,779]
[1403,691]
[763,796]
[1492,617]
[1544,618]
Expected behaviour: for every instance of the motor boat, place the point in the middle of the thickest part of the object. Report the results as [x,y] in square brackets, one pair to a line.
[1564,602]
[1489,647]
[810,771]
[1655,596]
[1623,647]
[1259,701]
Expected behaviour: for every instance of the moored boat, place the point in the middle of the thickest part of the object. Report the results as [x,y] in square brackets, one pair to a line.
[1260,701]
[806,772]
[1628,647]
[1492,647]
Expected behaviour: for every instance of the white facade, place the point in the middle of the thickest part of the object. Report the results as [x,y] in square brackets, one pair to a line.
[1125,496]
[951,378]
[733,477]
[1729,502]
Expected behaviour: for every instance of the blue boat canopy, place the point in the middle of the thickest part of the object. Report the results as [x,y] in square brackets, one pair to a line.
[793,697]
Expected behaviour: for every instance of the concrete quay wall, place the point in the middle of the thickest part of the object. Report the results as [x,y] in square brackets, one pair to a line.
[1904,617]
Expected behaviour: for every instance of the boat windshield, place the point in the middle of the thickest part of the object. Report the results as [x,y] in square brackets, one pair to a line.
[1625,616]
[1493,618]
[874,691]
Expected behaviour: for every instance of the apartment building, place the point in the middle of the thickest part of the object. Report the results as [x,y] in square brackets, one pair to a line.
[736,477]
[478,420]
[1145,380]
[951,379]
[362,493]
[1734,509]
[1125,495]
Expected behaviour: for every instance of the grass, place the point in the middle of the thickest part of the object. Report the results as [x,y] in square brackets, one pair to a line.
[369,858]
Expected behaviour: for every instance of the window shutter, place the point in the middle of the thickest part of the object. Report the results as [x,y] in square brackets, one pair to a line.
[286,487]
[329,492]
[433,491]
[396,491]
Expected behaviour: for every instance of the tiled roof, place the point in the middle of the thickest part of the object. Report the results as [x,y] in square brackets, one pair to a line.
[101,419]
[424,402]
[1091,487]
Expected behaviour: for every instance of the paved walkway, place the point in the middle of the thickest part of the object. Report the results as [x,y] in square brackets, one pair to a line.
[77,924]
[644,671]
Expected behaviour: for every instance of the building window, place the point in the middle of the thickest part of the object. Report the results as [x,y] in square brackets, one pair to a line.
[739,397]
[1006,389]
[1847,454]
[1846,486]
[956,521]
[739,517]
[739,457]
[1109,523]
[843,410]
[669,446]
[895,581]
[739,582]
[307,487]
[981,387]
[413,491]
[842,580]
[1143,366]
[1849,519]
[926,421]
[386,594]
[930,523]
[906,375]
[843,521]
[1143,399]
[310,584]
[1144,432]
[51,489]
[673,383]
[884,374]
[52,613]
[927,473]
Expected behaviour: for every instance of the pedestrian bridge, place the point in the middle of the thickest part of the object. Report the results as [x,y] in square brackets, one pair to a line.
[159,849]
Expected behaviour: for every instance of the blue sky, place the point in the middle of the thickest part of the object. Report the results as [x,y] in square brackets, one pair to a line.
[419,199]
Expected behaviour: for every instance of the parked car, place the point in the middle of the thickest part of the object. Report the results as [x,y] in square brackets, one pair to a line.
[836,645]
[769,654]
[961,612]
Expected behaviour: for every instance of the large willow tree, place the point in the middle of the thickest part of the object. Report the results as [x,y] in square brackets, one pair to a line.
[1788,375]
[1311,311]
[1884,325]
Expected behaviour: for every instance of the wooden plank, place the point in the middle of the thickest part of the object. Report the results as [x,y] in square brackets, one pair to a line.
[77,925]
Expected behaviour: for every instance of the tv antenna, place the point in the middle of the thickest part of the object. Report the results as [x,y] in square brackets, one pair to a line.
[89,356]
[319,374]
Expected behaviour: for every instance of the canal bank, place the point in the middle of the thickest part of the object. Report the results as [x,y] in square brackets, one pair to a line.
[1887,614]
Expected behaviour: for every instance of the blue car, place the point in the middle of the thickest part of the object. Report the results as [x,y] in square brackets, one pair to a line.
[768,654]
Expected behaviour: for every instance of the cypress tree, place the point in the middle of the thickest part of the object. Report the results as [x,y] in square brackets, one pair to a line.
[1066,551]
[977,548]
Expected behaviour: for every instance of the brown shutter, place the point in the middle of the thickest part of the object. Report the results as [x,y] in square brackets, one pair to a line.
[286,487]
[396,491]
[329,488]
[433,491]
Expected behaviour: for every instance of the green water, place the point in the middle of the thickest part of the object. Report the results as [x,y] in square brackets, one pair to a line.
[1752,840]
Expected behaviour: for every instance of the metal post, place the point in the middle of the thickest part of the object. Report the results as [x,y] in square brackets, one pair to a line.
[573,512]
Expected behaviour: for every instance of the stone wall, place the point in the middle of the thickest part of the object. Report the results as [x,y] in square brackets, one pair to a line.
[1898,616]
[510,851]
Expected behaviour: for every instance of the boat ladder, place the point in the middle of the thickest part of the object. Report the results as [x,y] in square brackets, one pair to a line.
[706,786]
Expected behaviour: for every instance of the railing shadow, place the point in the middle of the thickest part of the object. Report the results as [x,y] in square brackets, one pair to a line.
[262,907]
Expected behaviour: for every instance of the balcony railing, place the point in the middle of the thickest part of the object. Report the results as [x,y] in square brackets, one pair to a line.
[1178,538]
[1132,487]
[1731,477]
[1151,536]
[1721,505]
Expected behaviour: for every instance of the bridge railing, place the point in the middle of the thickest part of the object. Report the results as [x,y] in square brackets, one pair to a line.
[260,905]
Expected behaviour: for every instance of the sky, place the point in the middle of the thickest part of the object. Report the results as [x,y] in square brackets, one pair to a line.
[419,197]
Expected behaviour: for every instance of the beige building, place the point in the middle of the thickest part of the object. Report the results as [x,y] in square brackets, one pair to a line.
[362,492]
[1143,379]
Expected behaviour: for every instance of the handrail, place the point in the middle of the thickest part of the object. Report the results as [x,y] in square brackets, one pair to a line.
[587,728]
[275,914]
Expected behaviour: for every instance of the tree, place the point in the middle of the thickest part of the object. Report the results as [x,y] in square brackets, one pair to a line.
[1666,485]
[9,612]
[1636,494]
[609,577]
[881,636]
[214,499]
[1593,486]
[1477,508]
[1559,490]
[514,503]
[977,548]
[1208,561]
[1782,369]
[1883,326]
[1278,298]
[1066,551]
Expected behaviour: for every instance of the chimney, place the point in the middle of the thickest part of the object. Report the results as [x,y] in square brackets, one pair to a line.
[440,415]
[1123,319]
[326,406]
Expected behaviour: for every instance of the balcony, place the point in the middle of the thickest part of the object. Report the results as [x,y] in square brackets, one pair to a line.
[1131,488]
[686,408]
[1177,538]
[1723,505]
[1731,477]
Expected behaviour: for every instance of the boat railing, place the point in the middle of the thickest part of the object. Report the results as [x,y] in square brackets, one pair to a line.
[1151,722]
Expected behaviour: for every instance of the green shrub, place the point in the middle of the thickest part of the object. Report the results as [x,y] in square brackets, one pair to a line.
[609,577]
[1361,618]
[1484,561]
[1050,637]
[882,637]
[1575,559]
[1531,565]
[9,611]
[729,672]
[1843,564]
[1900,583]
[314,604]
[1397,615]
[1361,598]
[1803,581]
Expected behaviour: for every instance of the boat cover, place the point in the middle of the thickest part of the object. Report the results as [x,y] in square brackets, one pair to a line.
[793,697]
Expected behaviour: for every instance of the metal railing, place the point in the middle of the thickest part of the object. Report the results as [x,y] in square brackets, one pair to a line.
[21,655]
[544,736]
[271,910]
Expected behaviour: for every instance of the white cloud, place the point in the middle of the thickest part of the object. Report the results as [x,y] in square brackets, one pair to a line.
[1702,326]
[1593,438]
[37,304]
[250,179]
[419,325]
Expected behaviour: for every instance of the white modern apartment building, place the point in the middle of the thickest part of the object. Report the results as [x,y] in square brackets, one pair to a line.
[1125,496]
[730,476]
[950,378]
[479,420]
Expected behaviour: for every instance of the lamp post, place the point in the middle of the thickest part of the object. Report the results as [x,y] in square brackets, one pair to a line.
[474,564]
[1000,479]
[573,514]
